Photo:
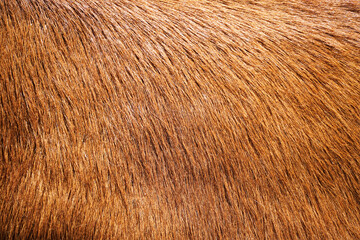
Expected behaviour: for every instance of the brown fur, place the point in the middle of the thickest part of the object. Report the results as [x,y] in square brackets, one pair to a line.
[179,119]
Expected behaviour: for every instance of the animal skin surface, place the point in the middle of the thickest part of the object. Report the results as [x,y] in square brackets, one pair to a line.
[179,119]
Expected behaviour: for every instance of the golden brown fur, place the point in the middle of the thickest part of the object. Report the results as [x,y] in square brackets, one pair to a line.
[179,119]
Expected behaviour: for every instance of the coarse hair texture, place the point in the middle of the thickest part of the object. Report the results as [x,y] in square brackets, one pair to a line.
[179,119]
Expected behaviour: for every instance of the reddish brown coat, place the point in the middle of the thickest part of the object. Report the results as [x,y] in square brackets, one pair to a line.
[170,119]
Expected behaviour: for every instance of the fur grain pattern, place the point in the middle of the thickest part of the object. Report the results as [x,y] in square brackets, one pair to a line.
[164,119]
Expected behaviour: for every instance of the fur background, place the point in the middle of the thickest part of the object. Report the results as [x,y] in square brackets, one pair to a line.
[164,119]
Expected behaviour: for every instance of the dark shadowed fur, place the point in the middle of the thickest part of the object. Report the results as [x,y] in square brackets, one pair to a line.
[165,119]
